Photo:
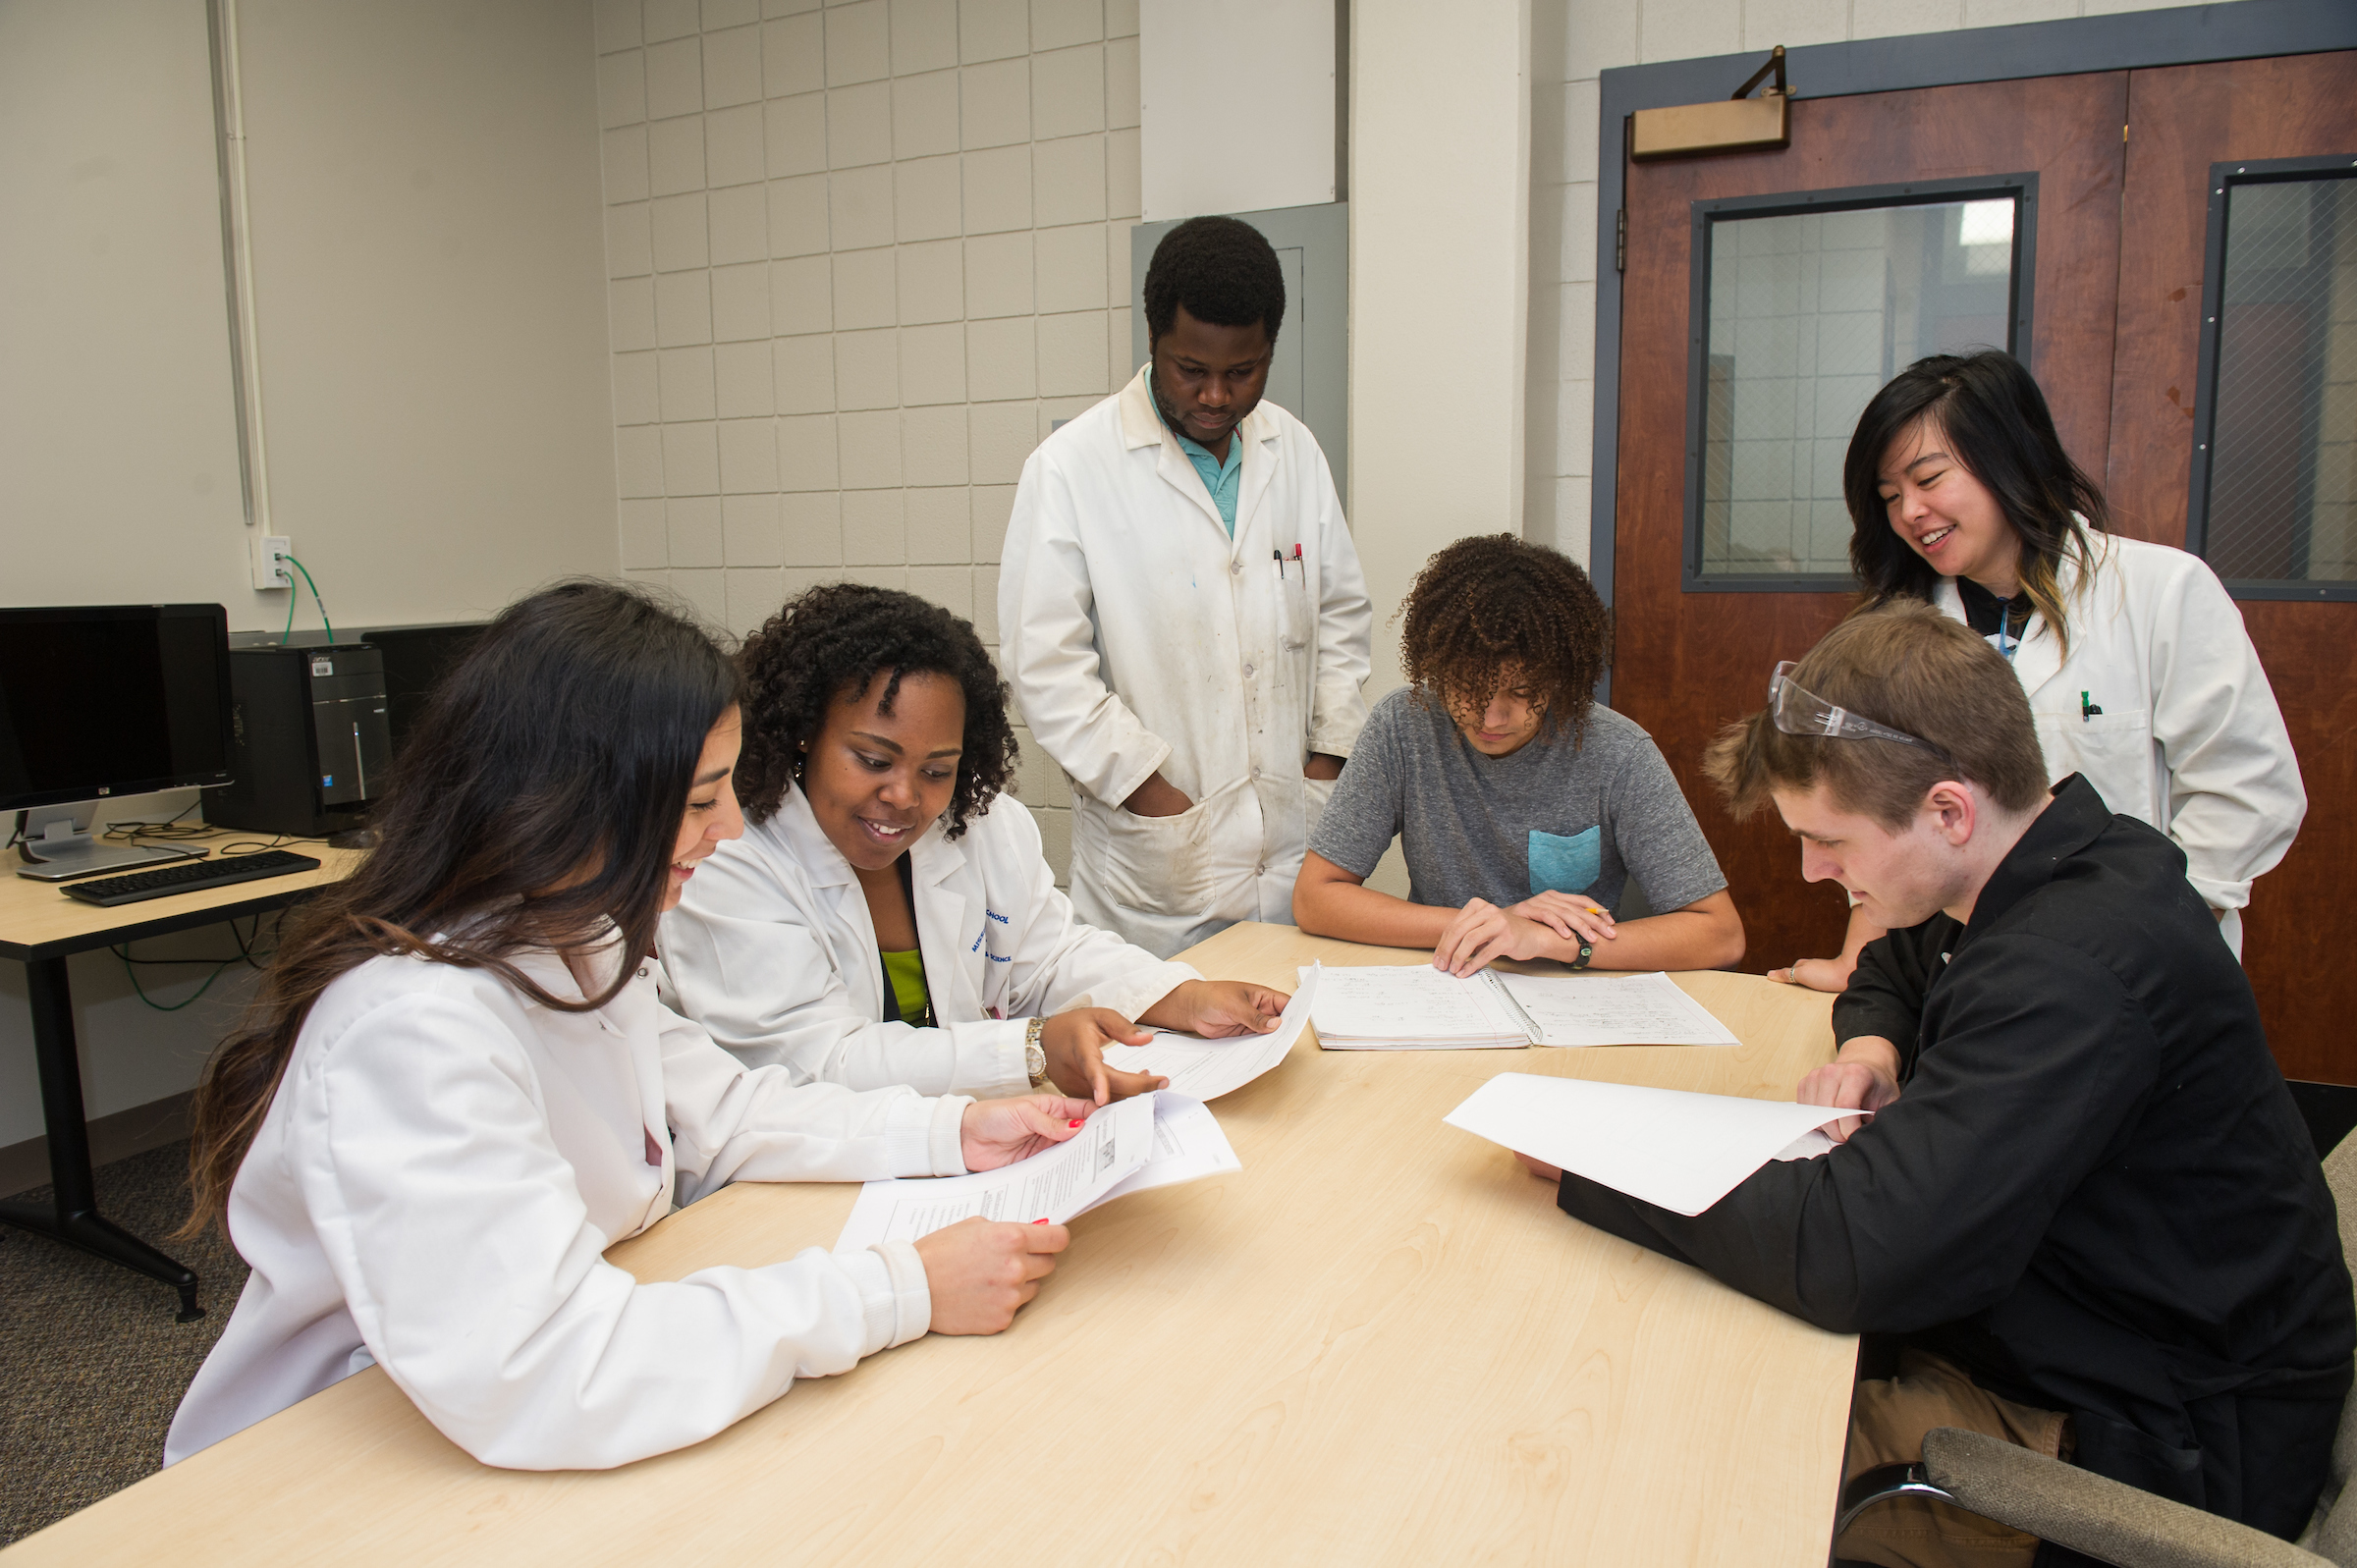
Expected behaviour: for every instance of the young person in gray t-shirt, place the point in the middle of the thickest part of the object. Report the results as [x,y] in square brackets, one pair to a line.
[1523,807]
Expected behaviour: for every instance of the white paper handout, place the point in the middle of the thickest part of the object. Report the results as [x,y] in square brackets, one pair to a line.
[1680,1151]
[1205,1069]
[1612,1010]
[1122,1141]
[1188,1143]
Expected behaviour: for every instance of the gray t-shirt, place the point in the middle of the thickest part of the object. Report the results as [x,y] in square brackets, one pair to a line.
[1580,818]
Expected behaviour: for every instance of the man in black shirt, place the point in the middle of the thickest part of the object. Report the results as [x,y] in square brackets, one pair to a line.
[2085,1199]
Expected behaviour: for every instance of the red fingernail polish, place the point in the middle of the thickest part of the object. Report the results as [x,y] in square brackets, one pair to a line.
[1041,1220]
[1076,1122]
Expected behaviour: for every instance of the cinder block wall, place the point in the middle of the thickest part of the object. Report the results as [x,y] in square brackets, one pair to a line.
[860,257]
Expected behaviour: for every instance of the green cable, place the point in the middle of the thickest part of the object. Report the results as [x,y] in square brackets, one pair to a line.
[315,599]
[124,954]
[244,956]
[292,599]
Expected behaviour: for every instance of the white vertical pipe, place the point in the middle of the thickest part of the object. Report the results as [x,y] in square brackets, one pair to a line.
[237,260]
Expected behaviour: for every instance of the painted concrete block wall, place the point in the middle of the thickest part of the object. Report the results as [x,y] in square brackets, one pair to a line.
[860,257]
[1572,41]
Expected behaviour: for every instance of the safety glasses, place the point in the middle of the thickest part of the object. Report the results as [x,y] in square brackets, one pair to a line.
[1798,711]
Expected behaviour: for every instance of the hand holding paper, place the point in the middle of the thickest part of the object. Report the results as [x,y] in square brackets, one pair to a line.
[1680,1151]
[1128,1145]
[978,1274]
[998,1132]
[1207,1070]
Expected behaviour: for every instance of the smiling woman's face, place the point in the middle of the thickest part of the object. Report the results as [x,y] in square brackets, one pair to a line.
[876,780]
[1946,516]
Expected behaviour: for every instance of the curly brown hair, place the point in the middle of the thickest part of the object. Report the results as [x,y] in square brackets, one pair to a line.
[1494,600]
[831,641]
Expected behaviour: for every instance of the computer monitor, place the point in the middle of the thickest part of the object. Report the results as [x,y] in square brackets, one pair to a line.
[101,701]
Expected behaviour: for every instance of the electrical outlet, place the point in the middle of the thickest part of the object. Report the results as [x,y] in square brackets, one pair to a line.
[269,569]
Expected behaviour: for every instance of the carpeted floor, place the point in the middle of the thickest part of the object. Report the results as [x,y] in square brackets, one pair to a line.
[91,1364]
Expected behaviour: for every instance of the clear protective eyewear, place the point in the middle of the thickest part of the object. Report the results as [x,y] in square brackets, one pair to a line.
[1797,711]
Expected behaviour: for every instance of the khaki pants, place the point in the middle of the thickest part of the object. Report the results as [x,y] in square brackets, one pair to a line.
[1886,1423]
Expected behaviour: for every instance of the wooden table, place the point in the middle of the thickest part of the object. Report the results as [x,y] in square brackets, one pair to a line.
[40,927]
[1379,1342]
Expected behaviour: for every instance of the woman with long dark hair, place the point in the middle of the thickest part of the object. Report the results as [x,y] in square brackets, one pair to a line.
[2139,672]
[887,918]
[458,1087]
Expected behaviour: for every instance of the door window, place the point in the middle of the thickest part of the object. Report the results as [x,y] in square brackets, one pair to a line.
[1804,305]
[2274,502]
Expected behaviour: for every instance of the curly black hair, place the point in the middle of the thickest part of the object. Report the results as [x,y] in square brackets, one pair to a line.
[1494,600]
[1221,269]
[834,639]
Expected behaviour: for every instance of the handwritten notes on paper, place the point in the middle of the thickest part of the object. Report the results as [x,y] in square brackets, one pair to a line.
[1415,1006]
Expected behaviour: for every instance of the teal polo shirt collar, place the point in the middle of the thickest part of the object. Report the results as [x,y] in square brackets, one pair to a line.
[1222,479]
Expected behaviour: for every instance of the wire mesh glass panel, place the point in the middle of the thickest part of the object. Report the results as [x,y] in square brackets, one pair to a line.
[2282,505]
[1809,314]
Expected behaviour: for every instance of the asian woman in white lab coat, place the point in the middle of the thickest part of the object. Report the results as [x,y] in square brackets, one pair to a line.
[457,1088]
[2140,674]
[888,918]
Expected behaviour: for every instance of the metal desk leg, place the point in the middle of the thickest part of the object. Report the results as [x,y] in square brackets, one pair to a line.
[73,1216]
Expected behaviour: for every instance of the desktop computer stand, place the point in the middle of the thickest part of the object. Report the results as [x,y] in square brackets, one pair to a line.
[72,1215]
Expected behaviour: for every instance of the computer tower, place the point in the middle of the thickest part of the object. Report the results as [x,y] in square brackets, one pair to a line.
[416,657]
[309,740]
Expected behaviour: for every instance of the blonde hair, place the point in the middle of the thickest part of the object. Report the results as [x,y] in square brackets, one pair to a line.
[1912,669]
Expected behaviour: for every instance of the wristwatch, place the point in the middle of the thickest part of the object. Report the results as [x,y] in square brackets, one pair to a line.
[1035,1054]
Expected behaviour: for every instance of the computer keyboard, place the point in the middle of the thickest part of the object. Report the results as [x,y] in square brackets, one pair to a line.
[193,877]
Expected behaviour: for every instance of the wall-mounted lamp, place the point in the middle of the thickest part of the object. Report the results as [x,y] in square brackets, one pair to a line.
[1729,125]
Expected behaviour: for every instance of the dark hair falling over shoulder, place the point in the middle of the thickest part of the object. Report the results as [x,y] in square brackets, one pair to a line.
[535,807]
[1994,421]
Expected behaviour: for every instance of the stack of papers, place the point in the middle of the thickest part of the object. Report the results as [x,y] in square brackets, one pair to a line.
[1129,1146]
[1415,1006]
[1205,1069]
[1680,1151]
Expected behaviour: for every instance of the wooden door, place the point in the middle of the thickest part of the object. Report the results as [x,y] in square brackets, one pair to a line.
[2301,930]
[1686,663]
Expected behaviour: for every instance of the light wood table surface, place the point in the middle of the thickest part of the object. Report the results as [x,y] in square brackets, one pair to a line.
[1379,1342]
[39,920]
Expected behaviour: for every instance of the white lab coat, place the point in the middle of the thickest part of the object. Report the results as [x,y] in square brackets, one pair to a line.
[1138,636]
[2189,739]
[773,951]
[440,1170]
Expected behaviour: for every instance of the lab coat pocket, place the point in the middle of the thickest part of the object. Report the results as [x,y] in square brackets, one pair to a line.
[2114,750]
[1166,865]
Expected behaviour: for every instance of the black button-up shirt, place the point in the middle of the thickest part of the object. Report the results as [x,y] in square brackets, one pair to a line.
[2095,1192]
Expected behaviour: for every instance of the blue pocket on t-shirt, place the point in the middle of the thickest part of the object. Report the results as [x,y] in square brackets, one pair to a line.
[1565,865]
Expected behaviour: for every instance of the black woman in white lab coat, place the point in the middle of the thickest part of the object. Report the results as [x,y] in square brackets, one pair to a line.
[2140,674]
[457,1088]
[888,916]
